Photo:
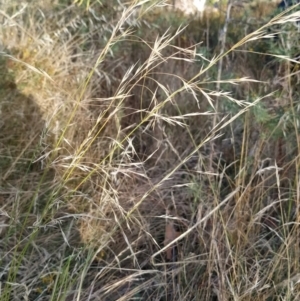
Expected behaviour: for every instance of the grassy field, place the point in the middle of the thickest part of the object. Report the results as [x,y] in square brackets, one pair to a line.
[148,155]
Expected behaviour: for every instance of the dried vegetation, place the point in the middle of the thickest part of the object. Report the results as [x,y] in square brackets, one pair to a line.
[146,156]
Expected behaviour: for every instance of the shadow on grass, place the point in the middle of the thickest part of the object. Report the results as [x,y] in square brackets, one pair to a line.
[21,127]
[32,243]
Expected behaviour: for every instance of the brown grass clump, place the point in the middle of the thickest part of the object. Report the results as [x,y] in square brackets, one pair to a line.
[147,156]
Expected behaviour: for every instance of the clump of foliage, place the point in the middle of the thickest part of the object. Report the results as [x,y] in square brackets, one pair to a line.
[147,155]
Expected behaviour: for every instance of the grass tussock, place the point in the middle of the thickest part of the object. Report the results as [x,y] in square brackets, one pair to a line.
[145,155]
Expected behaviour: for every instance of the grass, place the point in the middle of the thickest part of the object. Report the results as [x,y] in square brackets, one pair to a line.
[144,156]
